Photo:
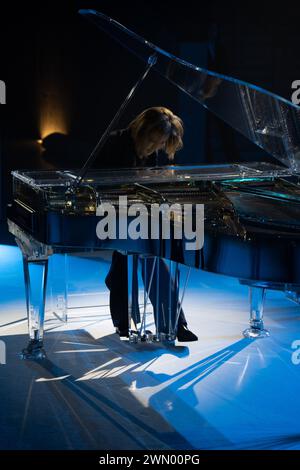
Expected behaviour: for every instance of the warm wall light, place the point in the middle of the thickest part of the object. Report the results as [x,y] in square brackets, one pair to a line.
[52,123]
[53,112]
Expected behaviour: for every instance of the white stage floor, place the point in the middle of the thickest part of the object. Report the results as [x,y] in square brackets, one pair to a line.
[95,392]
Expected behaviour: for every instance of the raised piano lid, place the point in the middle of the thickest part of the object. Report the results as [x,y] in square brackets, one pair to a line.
[268,120]
[155,175]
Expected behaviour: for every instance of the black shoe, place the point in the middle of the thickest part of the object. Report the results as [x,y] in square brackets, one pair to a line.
[122,333]
[184,334]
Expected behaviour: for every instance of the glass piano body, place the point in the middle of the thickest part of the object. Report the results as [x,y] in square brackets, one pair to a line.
[251,222]
[251,210]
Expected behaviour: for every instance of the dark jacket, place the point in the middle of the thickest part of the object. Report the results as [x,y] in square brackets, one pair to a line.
[119,152]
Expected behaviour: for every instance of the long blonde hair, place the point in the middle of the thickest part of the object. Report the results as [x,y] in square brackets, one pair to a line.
[158,121]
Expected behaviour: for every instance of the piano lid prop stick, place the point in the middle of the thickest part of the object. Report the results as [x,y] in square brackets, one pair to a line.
[151,61]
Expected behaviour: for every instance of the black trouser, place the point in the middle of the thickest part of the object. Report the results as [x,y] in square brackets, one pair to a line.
[117,281]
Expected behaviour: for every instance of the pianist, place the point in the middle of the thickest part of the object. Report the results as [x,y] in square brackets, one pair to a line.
[151,139]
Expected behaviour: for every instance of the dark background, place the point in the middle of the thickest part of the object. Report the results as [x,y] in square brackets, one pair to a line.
[64,76]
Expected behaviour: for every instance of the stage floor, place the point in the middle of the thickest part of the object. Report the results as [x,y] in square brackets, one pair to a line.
[96,392]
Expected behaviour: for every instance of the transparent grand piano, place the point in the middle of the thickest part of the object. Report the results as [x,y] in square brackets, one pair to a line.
[251,210]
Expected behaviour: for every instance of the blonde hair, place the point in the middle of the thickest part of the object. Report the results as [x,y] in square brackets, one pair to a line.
[158,121]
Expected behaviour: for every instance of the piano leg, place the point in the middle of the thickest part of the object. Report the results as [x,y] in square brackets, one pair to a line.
[159,287]
[145,334]
[132,283]
[35,275]
[59,275]
[162,285]
[257,299]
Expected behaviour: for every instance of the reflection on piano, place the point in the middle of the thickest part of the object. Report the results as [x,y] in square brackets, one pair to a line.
[252,210]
